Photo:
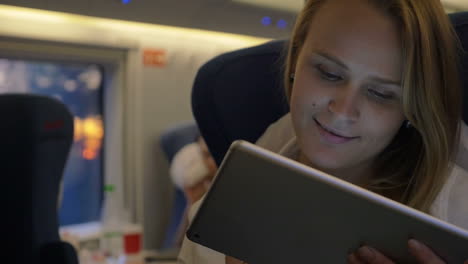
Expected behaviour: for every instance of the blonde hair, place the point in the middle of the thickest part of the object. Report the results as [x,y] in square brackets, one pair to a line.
[418,161]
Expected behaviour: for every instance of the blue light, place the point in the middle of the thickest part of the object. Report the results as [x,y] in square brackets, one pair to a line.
[266,21]
[282,24]
[126,1]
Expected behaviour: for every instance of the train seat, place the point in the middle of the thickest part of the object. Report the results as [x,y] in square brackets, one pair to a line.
[36,136]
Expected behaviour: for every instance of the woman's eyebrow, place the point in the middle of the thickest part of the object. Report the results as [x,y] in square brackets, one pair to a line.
[386,81]
[340,63]
[331,58]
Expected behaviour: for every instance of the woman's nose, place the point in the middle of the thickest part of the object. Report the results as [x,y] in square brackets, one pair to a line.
[345,104]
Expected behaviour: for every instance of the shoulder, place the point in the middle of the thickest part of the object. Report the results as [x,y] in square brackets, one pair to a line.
[280,137]
[457,212]
[277,134]
[450,204]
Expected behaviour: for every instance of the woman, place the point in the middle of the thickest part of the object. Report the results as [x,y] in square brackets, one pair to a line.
[375,100]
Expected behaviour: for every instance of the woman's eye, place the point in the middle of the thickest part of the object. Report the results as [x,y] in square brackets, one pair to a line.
[328,75]
[380,95]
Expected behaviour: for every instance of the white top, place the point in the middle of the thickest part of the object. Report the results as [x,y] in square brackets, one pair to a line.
[451,205]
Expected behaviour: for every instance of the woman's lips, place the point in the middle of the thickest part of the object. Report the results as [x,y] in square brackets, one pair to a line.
[331,136]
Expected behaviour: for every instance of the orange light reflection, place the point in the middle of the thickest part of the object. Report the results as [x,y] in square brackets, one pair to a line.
[89,130]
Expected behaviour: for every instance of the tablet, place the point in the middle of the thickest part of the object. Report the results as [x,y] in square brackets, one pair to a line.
[264,209]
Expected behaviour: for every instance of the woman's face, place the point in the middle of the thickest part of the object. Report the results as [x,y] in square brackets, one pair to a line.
[346,97]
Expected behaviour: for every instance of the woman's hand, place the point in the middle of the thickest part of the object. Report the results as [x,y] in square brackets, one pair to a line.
[368,255]
[231,260]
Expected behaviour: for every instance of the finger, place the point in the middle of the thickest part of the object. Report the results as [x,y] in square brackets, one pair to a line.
[371,255]
[422,253]
[231,260]
[353,259]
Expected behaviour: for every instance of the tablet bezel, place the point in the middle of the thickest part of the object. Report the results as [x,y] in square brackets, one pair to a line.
[245,162]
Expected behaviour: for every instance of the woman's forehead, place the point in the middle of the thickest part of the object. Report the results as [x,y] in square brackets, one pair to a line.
[355,21]
[358,34]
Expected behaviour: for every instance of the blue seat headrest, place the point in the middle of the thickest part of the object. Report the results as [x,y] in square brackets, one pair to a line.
[460,22]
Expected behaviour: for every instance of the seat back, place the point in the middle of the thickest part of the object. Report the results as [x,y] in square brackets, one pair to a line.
[460,22]
[238,94]
[36,136]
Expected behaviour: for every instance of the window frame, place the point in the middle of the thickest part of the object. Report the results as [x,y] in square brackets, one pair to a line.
[118,105]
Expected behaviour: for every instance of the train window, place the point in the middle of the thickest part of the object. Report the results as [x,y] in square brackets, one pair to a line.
[79,86]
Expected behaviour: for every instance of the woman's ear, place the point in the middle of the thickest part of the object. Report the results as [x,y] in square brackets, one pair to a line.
[291,77]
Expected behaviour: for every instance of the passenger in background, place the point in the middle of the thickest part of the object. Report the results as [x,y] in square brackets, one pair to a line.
[193,169]
[375,100]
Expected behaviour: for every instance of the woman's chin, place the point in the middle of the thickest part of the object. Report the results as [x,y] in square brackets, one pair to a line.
[324,162]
